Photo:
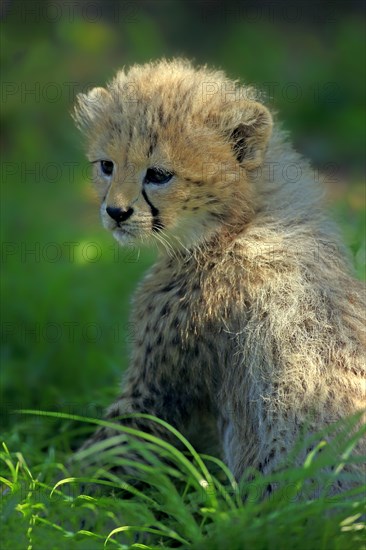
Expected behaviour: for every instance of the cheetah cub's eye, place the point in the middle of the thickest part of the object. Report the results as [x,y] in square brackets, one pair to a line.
[157,176]
[106,167]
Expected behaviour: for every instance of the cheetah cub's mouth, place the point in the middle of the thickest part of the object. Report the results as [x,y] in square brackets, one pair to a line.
[173,154]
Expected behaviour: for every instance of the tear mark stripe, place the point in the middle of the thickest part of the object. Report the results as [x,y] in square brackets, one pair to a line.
[157,224]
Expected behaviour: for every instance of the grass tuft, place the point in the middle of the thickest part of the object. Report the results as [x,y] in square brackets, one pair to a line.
[179,499]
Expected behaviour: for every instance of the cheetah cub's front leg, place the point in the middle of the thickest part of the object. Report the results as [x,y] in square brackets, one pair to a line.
[146,389]
[174,372]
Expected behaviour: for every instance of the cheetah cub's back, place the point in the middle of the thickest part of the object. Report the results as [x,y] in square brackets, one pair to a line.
[251,325]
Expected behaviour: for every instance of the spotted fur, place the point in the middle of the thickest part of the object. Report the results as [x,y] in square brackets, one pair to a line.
[250,324]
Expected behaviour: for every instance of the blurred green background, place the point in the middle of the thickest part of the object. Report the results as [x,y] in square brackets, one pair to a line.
[65,285]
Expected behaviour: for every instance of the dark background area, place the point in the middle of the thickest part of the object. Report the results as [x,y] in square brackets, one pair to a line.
[66,285]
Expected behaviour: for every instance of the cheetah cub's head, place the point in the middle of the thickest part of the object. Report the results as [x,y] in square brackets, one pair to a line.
[174,152]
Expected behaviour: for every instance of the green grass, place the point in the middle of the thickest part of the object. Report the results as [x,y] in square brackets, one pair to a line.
[182,499]
[52,361]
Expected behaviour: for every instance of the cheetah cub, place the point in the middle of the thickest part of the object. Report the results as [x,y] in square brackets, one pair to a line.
[251,326]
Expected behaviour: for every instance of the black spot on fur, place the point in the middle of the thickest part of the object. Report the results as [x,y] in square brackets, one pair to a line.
[165,310]
[175,340]
[174,401]
[217,215]
[168,287]
[270,457]
[181,292]
[153,138]
[147,403]
[161,115]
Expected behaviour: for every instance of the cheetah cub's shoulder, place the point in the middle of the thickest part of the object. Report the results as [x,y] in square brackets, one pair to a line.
[251,325]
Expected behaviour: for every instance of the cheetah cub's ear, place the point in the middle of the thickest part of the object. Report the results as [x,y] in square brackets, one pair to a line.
[89,107]
[248,126]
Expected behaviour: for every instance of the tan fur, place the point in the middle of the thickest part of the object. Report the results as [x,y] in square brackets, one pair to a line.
[251,325]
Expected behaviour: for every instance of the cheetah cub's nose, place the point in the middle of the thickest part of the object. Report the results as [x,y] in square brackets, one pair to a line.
[119,215]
